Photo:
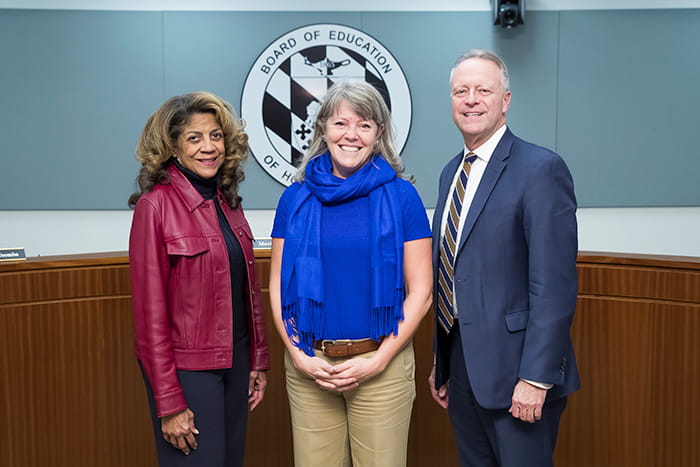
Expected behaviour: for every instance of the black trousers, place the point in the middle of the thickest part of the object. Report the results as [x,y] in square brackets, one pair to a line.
[219,401]
[492,437]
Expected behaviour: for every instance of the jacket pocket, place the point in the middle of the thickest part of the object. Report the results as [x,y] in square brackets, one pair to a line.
[517,321]
[186,246]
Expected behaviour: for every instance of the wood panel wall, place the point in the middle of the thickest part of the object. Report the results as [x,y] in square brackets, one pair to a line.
[636,334]
[71,393]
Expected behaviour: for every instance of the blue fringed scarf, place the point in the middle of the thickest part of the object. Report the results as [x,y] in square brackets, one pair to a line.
[303,297]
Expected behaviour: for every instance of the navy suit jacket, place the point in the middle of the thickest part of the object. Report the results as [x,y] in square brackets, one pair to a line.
[515,274]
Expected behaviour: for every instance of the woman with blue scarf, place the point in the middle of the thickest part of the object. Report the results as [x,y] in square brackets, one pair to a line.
[350,281]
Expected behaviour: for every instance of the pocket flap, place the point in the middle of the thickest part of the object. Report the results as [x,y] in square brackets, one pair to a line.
[246,230]
[187,246]
[517,321]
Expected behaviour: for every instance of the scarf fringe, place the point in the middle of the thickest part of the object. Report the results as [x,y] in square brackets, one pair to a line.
[384,320]
[303,321]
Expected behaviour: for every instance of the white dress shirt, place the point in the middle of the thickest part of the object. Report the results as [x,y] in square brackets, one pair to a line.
[483,155]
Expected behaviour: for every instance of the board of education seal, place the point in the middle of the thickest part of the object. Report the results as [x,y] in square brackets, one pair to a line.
[286,84]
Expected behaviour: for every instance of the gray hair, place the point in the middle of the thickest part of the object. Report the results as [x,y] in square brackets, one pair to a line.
[485,55]
[369,104]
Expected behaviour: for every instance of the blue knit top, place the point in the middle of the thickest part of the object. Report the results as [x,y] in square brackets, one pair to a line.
[346,255]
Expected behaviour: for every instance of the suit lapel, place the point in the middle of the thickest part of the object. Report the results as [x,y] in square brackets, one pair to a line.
[488,181]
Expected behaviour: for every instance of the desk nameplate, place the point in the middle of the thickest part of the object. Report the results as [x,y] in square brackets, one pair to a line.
[12,254]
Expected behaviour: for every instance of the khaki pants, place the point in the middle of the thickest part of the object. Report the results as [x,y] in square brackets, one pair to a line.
[363,427]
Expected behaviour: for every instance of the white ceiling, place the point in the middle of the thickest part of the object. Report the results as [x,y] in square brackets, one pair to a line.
[326,5]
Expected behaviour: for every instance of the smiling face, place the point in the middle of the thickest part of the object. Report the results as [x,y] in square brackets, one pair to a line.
[479,100]
[350,139]
[200,147]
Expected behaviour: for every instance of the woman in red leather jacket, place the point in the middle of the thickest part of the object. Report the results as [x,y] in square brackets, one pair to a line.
[198,317]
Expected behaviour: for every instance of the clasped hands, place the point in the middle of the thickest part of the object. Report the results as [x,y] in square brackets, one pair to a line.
[345,375]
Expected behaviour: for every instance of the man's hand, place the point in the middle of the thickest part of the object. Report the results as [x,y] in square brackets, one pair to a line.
[440,395]
[527,402]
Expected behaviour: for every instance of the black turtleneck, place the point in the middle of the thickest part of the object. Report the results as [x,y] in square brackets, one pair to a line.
[207,187]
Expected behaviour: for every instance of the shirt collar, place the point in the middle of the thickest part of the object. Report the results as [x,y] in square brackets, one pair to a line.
[485,151]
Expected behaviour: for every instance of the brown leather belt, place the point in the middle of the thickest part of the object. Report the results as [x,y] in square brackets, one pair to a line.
[346,347]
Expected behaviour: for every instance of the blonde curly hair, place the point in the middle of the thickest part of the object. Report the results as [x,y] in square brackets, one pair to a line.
[158,142]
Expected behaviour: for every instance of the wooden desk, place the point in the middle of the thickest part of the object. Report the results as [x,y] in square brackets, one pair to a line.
[72,394]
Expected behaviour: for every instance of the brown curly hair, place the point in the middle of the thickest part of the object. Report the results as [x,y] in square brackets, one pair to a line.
[158,141]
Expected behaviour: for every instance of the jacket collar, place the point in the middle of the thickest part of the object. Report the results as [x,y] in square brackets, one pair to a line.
[184,188]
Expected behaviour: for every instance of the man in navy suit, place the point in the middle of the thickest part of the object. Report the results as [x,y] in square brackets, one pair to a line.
[504,250]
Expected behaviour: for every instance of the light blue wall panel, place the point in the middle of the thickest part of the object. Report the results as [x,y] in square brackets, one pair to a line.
[427,45]
[75,90]
[426,59]
[629,91]
[219,61]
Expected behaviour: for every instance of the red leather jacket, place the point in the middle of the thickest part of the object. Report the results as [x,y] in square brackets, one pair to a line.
[181,288]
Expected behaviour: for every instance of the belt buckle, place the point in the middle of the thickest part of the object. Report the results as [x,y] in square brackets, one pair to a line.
[346,343]
[325,342]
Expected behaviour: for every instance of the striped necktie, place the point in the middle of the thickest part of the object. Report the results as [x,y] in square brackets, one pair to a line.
[448,247]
